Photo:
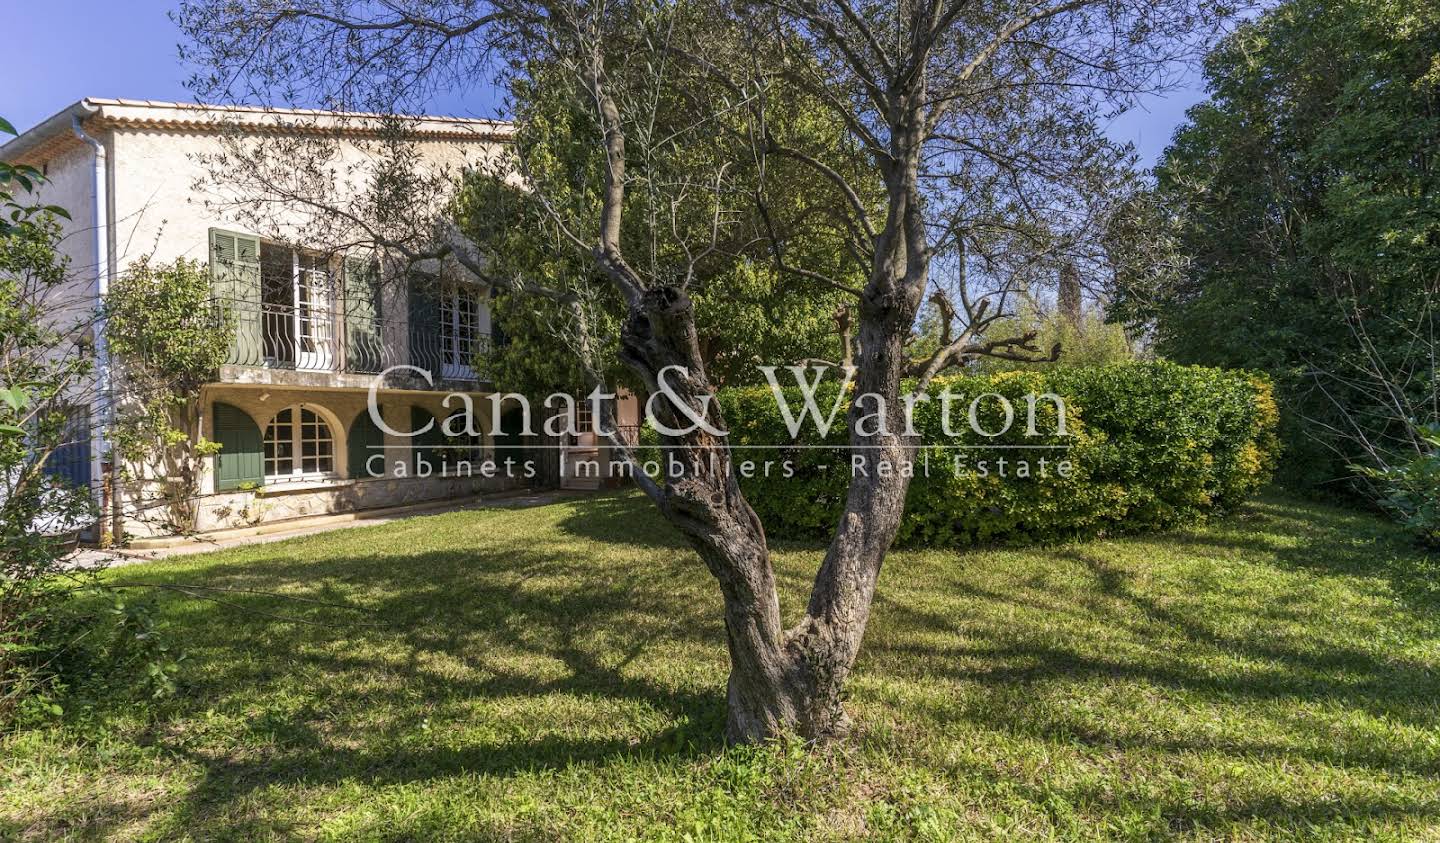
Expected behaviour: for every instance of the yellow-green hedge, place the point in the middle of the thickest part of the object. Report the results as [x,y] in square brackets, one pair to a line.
[1150,446]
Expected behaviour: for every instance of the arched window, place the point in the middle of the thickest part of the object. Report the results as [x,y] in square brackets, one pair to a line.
[298,445]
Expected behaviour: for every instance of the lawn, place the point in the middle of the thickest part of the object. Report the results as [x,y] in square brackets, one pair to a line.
[557,673]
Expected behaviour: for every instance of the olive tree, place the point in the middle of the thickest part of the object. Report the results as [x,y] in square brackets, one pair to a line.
[956,123]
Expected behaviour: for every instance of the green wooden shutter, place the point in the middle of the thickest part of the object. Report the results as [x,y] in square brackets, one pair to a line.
[425,327]
[427,444]
[239,460]
[235,284]
[362,315]
[364,441]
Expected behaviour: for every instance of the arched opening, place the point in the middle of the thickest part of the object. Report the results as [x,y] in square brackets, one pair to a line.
[299,445]
[425,447]
[461,448]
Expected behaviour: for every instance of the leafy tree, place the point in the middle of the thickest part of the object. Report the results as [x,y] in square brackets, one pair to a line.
[957,117]
[1296,226]
[49,641]
[159,323]
[747,310]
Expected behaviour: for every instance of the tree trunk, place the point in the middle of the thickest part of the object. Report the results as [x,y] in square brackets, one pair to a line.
[701,497]
[780,682]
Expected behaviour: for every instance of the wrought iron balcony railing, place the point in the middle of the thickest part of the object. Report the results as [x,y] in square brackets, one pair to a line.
[312,339]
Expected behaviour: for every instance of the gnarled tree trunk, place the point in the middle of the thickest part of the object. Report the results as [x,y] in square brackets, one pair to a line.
[781,681]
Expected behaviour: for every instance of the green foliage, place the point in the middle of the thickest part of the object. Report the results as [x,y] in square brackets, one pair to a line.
[1091,341]
[1411,489]
[158,318]
[746,310]
[52,643]
[160,324]
[39,363]
[84,650]
[1148,446]
[1302,199]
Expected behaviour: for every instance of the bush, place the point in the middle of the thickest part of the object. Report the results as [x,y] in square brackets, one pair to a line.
[1410,490]
[70,646]
[65,640]
[1148,446]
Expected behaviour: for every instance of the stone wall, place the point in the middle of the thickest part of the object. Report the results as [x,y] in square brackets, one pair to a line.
[224,510]
[339,492]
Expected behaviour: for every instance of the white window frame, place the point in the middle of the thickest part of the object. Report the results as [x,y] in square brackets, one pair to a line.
[315,322]
[454,363]
[313,326]
[297,441]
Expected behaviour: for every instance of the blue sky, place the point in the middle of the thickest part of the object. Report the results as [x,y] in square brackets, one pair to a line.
[127,48]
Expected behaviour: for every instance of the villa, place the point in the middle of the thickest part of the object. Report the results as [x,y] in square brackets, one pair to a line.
[312,328]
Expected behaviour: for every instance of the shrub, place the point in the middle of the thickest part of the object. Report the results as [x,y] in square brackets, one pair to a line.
[1410,490]
[64,638]
[159,321]
[1147,446]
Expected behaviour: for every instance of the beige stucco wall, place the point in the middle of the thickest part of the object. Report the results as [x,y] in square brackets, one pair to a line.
[69,184]
[167,197]
[343,493]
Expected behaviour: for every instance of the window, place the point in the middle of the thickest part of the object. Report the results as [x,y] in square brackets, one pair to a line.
[297,296]
[584,425]
[459,330]
[298,445]
[460,446]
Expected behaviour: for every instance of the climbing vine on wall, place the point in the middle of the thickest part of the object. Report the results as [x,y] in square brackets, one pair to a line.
[167,342]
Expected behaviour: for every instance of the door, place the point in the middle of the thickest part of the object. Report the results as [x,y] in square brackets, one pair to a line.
[580,466]
[464,319]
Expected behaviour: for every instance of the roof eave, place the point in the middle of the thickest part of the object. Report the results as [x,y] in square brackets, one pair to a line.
[192,117]
[62,121]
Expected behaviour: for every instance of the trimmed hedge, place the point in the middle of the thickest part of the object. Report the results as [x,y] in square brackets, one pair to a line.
[1149,446]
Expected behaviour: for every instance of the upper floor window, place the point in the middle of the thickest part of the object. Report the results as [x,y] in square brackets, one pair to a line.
[460,335]
[297,295]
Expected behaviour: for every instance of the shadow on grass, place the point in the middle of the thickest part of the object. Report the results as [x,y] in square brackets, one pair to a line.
[625,518]
[592,592]
[1338,542]
[1171,640]
[488,614]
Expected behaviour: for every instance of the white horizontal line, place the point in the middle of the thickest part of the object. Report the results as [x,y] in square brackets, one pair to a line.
[732,447]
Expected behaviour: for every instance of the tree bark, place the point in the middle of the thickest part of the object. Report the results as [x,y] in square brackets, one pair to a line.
[701,497]
[781,682]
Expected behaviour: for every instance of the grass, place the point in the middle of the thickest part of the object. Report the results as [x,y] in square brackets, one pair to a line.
[557,673]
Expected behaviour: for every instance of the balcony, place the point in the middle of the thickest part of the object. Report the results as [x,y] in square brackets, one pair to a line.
[307,346]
